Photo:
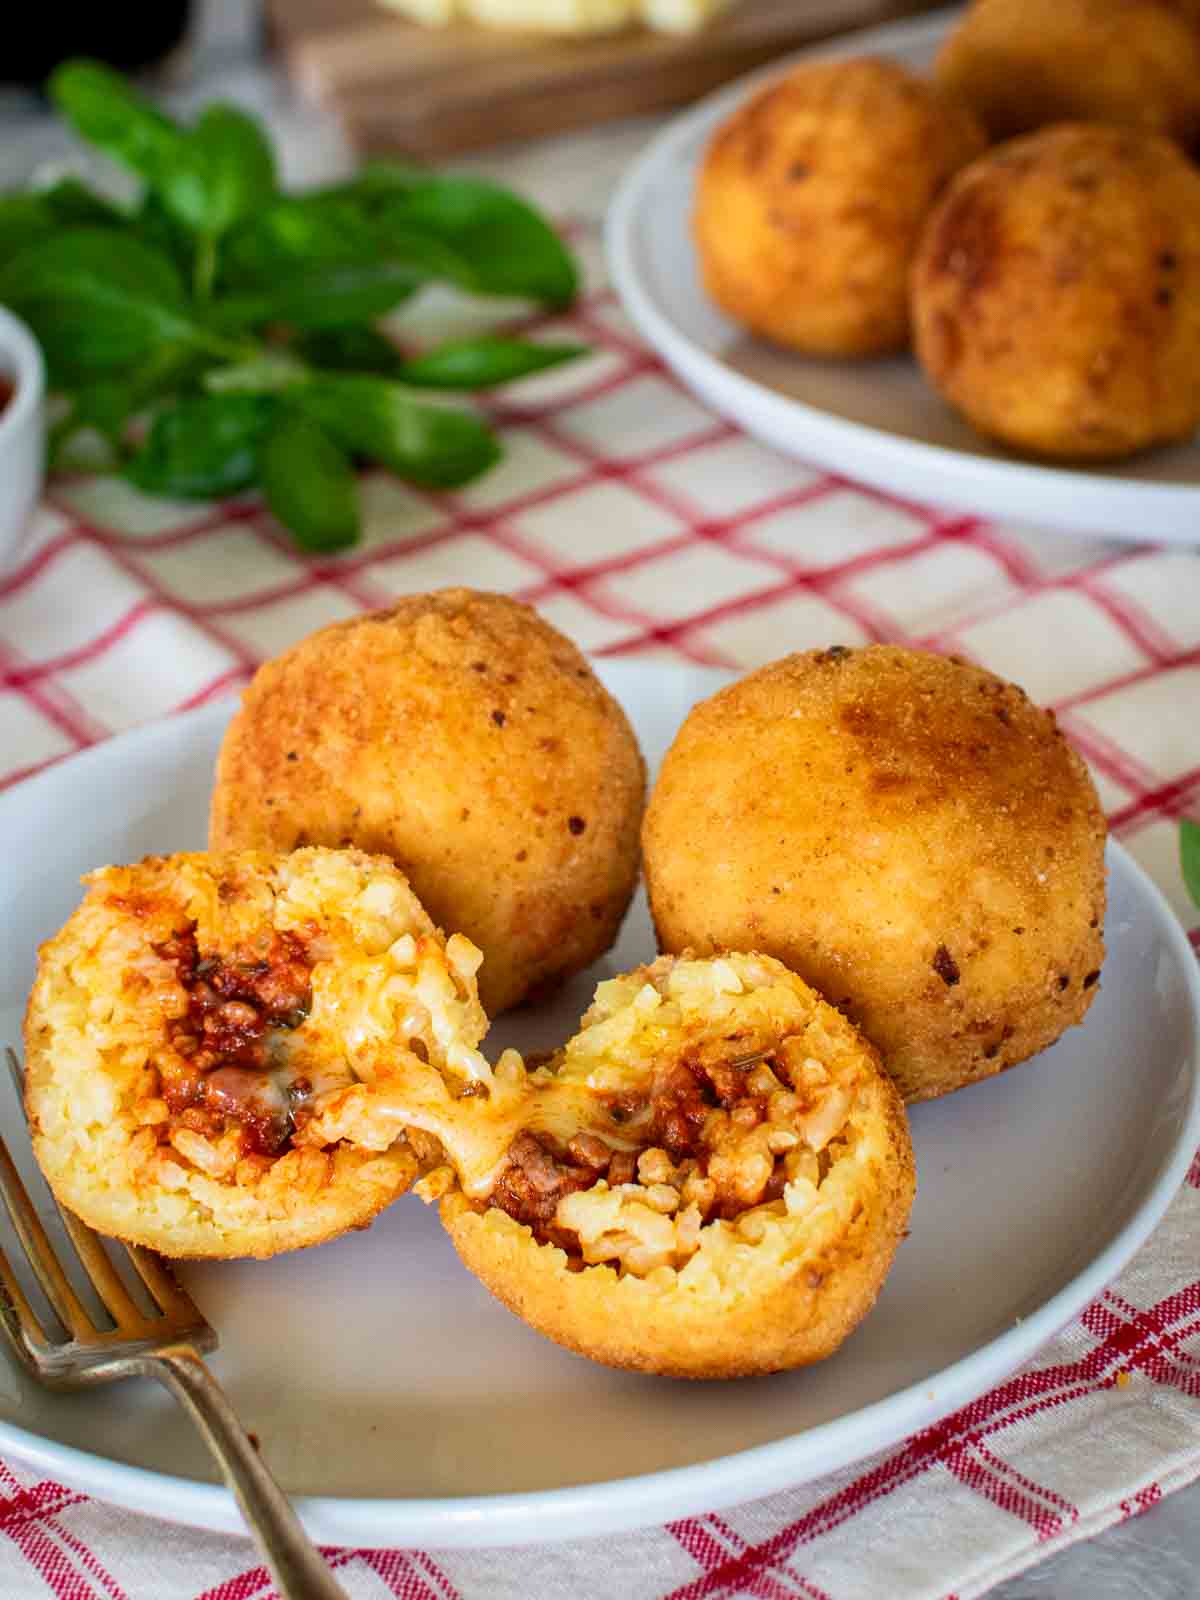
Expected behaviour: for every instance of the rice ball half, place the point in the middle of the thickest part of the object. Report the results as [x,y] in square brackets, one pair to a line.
[222,1051]
[907,832]
[467,739]
[709,1180]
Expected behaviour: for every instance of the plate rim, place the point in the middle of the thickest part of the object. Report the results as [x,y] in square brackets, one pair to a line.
[1061,497]
[622,1504]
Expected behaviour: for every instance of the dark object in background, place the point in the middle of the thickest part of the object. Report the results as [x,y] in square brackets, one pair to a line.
[126,36]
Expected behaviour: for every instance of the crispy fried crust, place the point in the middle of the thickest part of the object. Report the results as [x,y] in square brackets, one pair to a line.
[305,1138]
[812,195]
[1056,293]
[1021,64]
[906,831]
[779,1286]
[467,739]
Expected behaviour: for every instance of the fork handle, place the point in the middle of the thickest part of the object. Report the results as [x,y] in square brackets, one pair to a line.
[295,1563]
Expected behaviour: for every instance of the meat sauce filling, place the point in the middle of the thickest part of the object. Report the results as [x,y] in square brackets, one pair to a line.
[225,1039]
[680,1135]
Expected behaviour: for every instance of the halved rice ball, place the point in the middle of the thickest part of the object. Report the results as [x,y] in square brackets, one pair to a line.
[220,1048]
[710,1180]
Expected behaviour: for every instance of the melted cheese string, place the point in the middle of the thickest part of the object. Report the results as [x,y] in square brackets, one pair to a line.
[477,1130]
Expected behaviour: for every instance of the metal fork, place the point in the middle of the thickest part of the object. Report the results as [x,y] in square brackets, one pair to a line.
[167,1346]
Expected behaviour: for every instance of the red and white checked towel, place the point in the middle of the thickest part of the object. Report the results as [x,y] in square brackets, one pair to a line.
[639,522]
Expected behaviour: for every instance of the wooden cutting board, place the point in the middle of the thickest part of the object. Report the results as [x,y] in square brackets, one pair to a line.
[430,91]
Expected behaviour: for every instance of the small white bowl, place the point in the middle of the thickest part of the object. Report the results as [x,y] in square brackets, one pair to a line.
[22,432]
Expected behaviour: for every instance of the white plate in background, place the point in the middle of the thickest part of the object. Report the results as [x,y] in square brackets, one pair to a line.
[402,1405]
[875,420]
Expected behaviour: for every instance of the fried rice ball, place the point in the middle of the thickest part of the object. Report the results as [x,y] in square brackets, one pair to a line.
[907,832]
[811,198]
[1056,293]
[463,736]
[710,1180]
[219,1049]
[1020,64]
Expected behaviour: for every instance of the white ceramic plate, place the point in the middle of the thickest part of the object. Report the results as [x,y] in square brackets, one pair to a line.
[404,1406]
[877,421]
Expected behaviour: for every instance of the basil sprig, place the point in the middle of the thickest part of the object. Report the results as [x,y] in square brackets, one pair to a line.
[215,334]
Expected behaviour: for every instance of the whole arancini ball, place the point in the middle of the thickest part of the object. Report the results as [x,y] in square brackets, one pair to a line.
[909,834]
[1021,64]
[466,738]
[1056,293]
[811,198]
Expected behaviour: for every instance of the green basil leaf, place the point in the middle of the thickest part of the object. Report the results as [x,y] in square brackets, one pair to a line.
[481,363]
[321,297]
[71,202]
[24,220]
[310,484]
[274,369]
[97,298]
[426,444]
[1189,856]
[511,247]
[424,253]
[301,232]
[108,404]
[224,173]
[351,349]
[377,180]
[106,109]
[293,234]
[155,224]
[202,447]
[105,405]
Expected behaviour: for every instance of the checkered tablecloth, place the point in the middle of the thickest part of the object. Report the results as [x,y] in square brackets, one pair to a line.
[637,521]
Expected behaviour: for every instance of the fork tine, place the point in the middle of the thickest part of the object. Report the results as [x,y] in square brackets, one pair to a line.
[105,1278]
[38,1248]
[167,1294]
[160,1281]
[16,1072]
[17,1315]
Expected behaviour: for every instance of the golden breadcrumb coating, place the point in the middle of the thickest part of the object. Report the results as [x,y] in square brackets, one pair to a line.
[1056,293]
[811,198]
[907,832]
[710,1180]
[1020,64]
[464,737]
[219,1049]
